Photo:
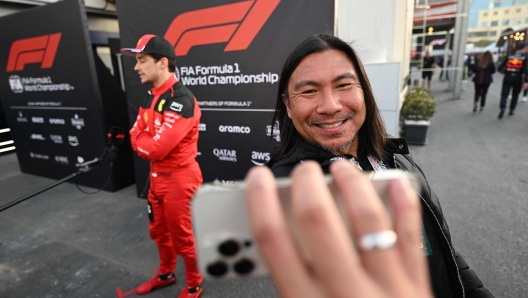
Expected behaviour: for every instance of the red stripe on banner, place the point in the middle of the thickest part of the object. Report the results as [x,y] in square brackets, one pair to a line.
[252,24]
[218,15]
[51,50]
[204,36]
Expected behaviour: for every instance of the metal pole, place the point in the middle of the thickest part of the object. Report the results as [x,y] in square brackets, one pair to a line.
[459,47]
[20,200]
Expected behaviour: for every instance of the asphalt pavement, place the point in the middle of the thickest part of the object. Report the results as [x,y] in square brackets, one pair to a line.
[64,243]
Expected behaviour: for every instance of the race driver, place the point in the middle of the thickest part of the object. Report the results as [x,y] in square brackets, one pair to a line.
[166,134]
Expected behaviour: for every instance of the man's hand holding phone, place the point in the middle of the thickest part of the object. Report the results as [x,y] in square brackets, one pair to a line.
[386,262]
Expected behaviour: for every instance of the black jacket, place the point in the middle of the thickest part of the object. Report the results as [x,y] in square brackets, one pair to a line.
[514,67]
[464,282]
[483,75]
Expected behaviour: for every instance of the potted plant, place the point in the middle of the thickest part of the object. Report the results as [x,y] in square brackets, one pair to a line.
[418,107]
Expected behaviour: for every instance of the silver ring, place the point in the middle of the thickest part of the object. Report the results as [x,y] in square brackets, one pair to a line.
[378,240]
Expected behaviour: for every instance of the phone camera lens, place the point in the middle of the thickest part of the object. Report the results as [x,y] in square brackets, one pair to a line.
[229,248]
[244,266]
[248,243]
[217,269]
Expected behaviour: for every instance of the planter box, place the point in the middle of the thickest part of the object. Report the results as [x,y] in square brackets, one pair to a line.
[416,131]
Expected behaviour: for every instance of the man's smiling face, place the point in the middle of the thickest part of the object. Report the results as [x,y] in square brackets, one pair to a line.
[325,101]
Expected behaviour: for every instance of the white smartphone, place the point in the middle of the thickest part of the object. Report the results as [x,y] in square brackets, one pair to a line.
[225,244]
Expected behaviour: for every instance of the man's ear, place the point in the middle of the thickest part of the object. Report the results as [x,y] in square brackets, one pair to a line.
[164,62]
[287,104]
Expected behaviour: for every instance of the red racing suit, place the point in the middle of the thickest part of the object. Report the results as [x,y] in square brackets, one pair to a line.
[166,134]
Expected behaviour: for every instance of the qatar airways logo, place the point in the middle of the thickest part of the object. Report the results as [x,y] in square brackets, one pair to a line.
[225,154]
[236,24]
[234,129]
[40,49]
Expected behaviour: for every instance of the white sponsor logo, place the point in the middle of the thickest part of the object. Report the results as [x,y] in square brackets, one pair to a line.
[38,156]
[21,117]
[234,129]
[72,140]
[176,106]
[57,121]
[199,153]
[157,137]
[80,160]
[225,154]
[62,159]
[157,123]
[56,139]
[35,136]
[273,131]
[77,122]
[16,84]
[201,127]
[260,158]
[37,119]
[225,182]
[31,84]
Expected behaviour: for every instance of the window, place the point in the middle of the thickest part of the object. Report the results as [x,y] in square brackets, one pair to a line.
[484,24]
[493,33]
[494,23]
[495,13]
[485,14]
[477,34]
[506,11]
[526,20]
[517,21]
[505,22]
[518,10]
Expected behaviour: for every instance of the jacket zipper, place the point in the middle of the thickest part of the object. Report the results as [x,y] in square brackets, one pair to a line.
[400,166]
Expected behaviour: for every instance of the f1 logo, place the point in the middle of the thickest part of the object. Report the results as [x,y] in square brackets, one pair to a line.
[33,50]
[236,23]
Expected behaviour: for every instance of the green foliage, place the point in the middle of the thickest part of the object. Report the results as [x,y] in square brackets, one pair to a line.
[483,43]
[418,105]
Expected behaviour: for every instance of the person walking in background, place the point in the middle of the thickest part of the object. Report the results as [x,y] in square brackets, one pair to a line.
[483,68]
[515,71]
[429,64]
[447,65]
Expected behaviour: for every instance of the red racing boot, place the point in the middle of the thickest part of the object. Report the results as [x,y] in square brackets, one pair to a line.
[158,282]
[193,292]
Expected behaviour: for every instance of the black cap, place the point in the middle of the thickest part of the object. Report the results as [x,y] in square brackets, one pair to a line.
[151,44]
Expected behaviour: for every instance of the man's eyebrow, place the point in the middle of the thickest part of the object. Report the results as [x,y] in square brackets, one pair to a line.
[305,83]
[347,75]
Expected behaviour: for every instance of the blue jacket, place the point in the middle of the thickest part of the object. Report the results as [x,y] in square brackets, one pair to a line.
[484,75]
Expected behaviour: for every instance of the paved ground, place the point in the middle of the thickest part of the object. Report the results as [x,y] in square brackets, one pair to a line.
[64,243]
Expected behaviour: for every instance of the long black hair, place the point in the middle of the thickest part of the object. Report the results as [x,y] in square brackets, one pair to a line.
[372,134]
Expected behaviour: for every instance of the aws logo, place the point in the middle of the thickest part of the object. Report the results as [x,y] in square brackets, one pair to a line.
[236,23]
[40,49]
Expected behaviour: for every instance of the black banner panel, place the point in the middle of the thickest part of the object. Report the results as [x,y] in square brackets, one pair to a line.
[229,54]
[49,91]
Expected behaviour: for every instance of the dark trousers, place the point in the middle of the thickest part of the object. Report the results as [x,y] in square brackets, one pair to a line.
[516,87]
[480,92]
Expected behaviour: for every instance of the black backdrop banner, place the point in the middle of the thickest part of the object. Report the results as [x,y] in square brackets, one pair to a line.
[49,91]
[229,54]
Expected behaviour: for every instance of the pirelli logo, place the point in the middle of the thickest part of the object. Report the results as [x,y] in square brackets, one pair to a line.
[237,24]
[40,49]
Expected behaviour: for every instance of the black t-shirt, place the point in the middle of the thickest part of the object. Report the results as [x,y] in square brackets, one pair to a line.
[436,259]
[428,62]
